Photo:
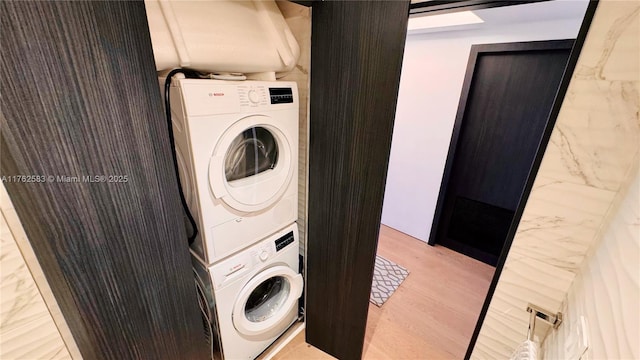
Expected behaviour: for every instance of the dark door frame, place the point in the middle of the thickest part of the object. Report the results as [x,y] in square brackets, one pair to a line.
[476,51]
[434,7]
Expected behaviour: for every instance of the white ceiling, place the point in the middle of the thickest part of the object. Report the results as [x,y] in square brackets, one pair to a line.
[540,11]
[525,13]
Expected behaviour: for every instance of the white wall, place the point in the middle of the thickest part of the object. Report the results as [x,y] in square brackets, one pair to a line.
[433,71]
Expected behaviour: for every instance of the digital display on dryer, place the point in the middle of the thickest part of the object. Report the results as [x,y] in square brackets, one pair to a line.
[284,241]
[281,95]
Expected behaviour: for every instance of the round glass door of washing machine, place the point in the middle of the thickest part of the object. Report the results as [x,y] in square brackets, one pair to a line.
[252,165]
[264,305]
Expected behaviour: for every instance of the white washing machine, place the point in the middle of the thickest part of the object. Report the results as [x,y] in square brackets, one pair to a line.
[251,298]
[237,150]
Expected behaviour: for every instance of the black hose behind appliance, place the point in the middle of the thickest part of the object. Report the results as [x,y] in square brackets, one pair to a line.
[167,107]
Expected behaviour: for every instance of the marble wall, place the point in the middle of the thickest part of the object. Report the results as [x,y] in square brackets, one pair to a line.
[606,292]
[30,327]
[591,158]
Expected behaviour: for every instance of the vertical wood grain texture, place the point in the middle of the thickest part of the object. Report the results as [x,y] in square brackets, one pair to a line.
[80,98]
[356,58]
[507,96]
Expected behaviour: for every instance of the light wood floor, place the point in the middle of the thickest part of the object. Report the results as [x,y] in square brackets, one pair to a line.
[432,314]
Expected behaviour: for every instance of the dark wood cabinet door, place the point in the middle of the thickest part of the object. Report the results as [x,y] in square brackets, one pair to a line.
[356,55]
[80,98]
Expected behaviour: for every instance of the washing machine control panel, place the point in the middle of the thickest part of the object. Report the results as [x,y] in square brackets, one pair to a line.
[282,242]
[264,252]
[228,270]
[235,267]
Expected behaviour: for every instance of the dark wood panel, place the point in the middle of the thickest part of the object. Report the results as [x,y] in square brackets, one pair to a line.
[505,104]
[356,55]
[306,3]
[506,110]
[80,98]
[433,7]
[553,115]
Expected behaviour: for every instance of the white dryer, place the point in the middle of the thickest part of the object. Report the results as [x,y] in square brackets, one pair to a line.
[251,298]
[237,149]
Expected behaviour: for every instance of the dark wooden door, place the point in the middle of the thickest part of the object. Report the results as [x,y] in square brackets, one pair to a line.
[356,54]
[82,113]
[507,97]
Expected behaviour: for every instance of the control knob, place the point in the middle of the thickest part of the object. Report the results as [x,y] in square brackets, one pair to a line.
[253,96]
[264,255]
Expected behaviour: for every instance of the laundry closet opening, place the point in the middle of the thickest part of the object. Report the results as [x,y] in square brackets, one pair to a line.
[476,91]
[234,76]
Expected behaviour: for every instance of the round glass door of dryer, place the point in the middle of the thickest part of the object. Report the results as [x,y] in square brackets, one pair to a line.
[264,306]
[252,152]
[251,166]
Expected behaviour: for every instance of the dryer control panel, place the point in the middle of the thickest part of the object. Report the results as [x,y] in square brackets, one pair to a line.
[202,97]
[281,95]
[251,95]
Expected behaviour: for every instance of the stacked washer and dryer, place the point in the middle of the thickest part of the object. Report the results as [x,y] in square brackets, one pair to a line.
[237,151]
